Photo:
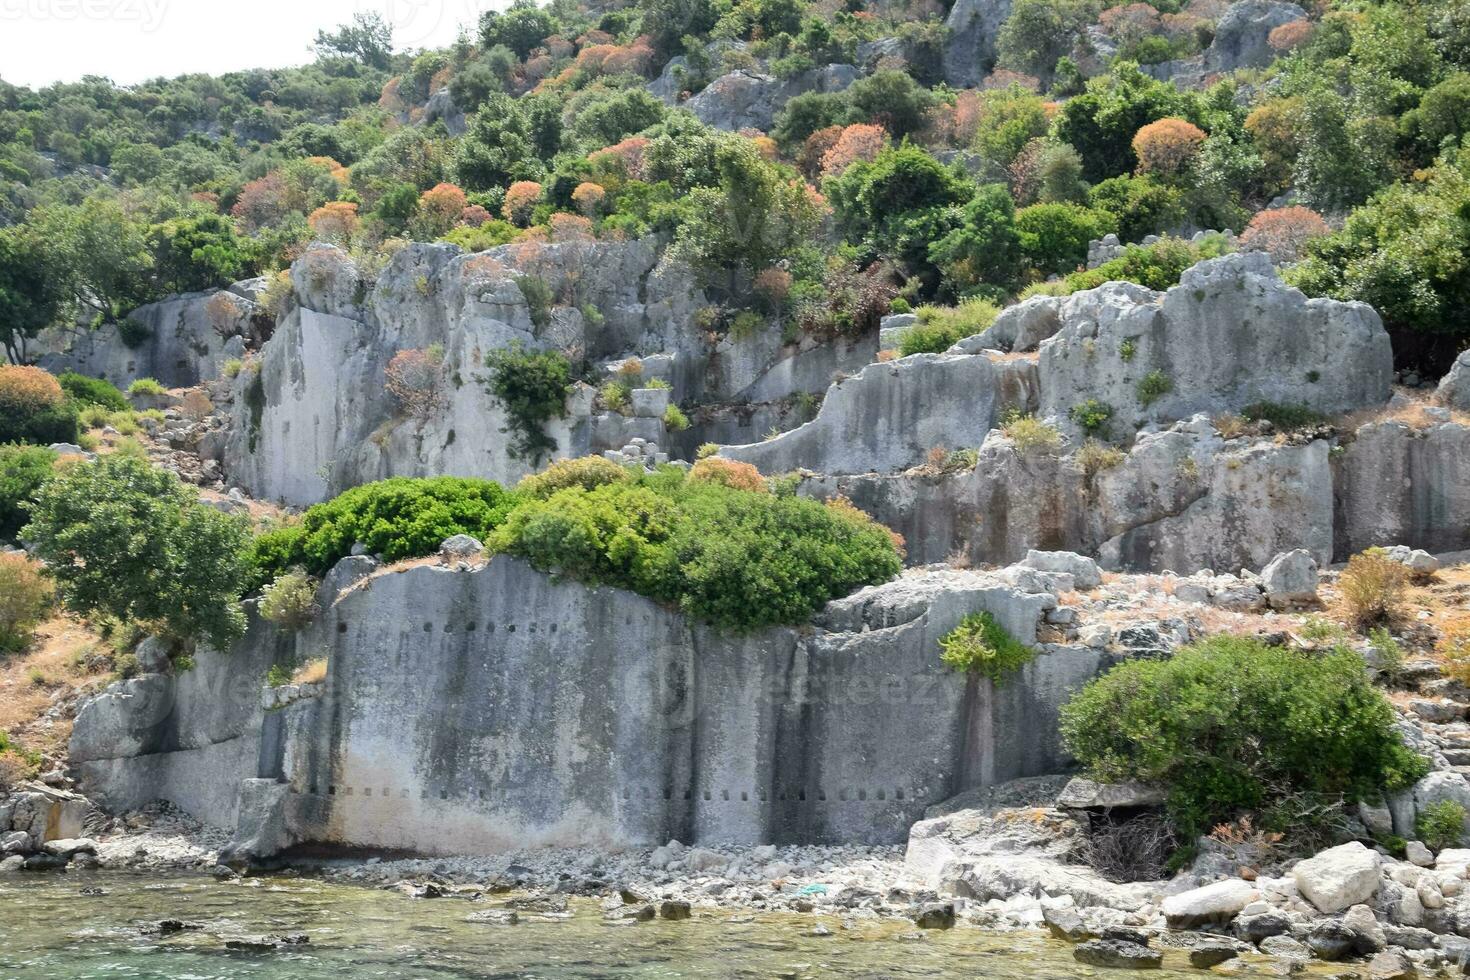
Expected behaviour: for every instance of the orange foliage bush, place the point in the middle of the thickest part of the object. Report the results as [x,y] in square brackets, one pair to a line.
[1167,147]
[730,473]
[773,284]
[474,216]
[334,221]
[1292,34]
[570,228]
[1004,78]
[860,141]
[1130,23]
[628,155]
[520,201]
[27,389]
[1282,232]
[441,207]
[809,157]
[588,197]
[263,202]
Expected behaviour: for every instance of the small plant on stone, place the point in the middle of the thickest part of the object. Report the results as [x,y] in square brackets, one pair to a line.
[1387,653]
[145,387]
[1230,426]
[1284,417]
[1127,349]
[1441,824]
[960,460]
[980,644]
[1092,416]
[1318,629]
[1031,435]
[532,385]
[706,450]
[1373,587]
[674,419]
[278,676]
[1096,456]
[1153,386]
[290,601]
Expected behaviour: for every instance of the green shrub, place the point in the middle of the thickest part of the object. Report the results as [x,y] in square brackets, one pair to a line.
[290,600]
[737,559]
[538,298]
[93,391]
[125,539]
[22,471]
[1031,434]
[1284,417]
[941,327]
[1231,725]
[587,472]
[404,517]
[674,418]
[980,644]
[1092,416]
[1441,825]
[145,387]
[25,600]
[533,387]
[1153,386]
[1157,266]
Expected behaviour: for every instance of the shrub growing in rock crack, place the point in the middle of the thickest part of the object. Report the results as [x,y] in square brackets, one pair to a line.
[1372,586]
[533,387]
[290,600]
[980,644]
[1441,824]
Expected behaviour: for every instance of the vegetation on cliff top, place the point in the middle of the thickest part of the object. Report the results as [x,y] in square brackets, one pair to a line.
[111,197]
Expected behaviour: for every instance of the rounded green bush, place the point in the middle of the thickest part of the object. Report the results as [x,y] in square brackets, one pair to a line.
[404,517]
[22,471]
[93,391]
[1231,725]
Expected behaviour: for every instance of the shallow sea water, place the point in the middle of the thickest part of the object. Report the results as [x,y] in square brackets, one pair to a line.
[49,929]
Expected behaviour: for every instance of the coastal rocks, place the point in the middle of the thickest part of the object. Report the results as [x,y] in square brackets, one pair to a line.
[1214,904]
[1339,877]
[1084,571]
[1084,794]
[1290,579]
[1228,335]
[1117,954]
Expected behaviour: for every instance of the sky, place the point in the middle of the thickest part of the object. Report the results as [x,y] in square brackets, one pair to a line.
[45,41]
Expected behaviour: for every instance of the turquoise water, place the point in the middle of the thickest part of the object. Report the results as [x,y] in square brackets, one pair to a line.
[48,928]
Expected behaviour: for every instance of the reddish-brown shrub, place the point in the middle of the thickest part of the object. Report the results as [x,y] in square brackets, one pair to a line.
[566,227]
[263,202]
[415,379]
[1292,34]
[1281,232]
[626,155]
[1130,23]
[728,472]
[440,208]
[773,284]
[474,216]
[860,141]
[588,198]
[1167,147]
[809,157]
[520,201]
[27,389]
[335,221]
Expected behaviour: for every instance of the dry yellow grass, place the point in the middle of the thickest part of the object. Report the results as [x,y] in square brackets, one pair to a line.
[1412,414]
[53,668]
[312,672]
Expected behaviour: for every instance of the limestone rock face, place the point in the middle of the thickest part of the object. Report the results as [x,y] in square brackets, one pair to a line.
[1454,387]
[745,99]
[892,414]
[1338,878]
[184,340]
[1240,36]
[630,723]
[1397,485]
[969,51]
[1228,335]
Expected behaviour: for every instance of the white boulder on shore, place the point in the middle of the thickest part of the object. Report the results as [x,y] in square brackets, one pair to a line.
[1213,904]
[1339,877]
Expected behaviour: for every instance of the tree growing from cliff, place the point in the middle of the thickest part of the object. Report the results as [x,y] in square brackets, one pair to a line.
[532,385]
[128,540]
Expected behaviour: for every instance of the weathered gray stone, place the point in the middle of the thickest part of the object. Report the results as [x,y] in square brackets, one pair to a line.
[1211,953]
[969,49]
[1392,964]
[1117,955]
[1214,904]
[1084,571]
[461,546]
[1229,334]
[1397,485]
[1085,794]
[1290,579]
[1339,877]
[747,99]
[1454,387]
[1240,39]
[1065,923]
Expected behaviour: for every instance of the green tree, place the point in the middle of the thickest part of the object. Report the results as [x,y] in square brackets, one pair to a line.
[1038,32]
[99,252]
[22,471]
[32,289]
[1054,237]
[1102,121]
[899,203]
[985,249]
[125,539]
[497,149]
[367,37]
[891,98]
[1141,206]
[522,27]
[607,117]
[197,252]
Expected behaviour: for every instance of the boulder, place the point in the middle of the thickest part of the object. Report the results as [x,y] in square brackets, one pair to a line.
[1437,787]
[1117,954]
[1339,877]
[936,915]
[1084,571]
[1418,854]
[1214,904]
[1085,794]
[1331,940]
[1392,964]
[461,546]
[674,910]
[1367,932]
[1257,928]
[1454,387]
[969,48]
[745,99]
[1065,923]
[69,847]
[701,859]
[1241,35]
[1416,560]
[650,403]
[1211,952]
[1290,579]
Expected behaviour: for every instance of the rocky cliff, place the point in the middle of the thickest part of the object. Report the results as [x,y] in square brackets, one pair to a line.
[480,708]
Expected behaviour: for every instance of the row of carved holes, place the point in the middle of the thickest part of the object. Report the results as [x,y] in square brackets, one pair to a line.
[843,795]
[469,628]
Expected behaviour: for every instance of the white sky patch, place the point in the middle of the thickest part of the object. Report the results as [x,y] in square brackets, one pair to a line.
[129,41]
